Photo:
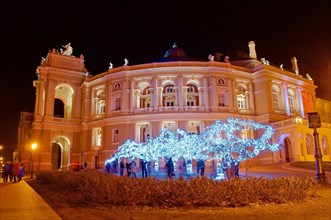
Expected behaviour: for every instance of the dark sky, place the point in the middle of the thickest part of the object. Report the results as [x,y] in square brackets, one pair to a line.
[109,31]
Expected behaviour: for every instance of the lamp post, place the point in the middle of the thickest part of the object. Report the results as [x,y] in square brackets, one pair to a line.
[33,146]
[314,121]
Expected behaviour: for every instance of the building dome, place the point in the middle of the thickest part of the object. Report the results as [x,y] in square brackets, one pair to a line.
[175,51]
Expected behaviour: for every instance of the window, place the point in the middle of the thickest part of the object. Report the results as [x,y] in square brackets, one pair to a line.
[169,103]
[190,103]
[241,101]
[222,100]
[275,98]
[291,99]
[309,144]
[117,103]
[169,89]
[190,89]
[97,137]
[115,135]
[325,145]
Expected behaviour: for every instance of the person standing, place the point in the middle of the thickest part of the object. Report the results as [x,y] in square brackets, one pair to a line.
[128,168]
[5,173]
[170,168]
[143,165]
[202,167]
[133,168]
[122,168]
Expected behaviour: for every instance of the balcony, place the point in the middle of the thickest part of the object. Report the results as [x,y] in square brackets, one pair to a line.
[142,110]
[168,109]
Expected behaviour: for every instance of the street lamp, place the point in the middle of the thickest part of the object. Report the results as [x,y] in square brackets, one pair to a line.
[314,121]
[33,146]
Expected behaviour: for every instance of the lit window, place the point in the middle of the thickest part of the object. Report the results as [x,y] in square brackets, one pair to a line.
[115,135]
[275,98]
[97,137]
[222,100]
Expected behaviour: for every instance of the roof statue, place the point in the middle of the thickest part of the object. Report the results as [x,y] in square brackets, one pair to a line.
[110,65]
[126,62]
[67,50]
[211,57]
[308,77]
[227,59]
[281,67]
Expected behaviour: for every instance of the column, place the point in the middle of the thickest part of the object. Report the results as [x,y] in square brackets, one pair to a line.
[200,89]
[155,97]
[205,94]
[230,94]
[131,96]
[285,97]
[302,111]
[214,98]
[251,98]
[180,93]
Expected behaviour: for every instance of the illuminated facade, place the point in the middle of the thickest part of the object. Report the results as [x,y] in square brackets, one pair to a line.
[84,118]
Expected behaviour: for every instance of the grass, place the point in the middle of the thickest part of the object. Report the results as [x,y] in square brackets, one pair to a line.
[311,165]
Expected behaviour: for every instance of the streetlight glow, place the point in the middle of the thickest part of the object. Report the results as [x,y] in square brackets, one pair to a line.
[33,146]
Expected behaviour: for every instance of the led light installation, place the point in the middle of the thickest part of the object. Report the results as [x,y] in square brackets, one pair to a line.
[225,141]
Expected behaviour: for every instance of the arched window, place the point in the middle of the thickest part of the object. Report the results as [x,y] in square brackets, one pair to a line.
[169,89]
[97,137]
[241,97]
[309,144]
[291,100]
[325,145]
[275,97]
[58,108]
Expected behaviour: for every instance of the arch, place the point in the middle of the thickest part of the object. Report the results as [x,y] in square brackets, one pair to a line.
[167,82]
[64,92]
[325,145]
[60,157]
[309,144]
[287,147]
[143,85]
[193,82]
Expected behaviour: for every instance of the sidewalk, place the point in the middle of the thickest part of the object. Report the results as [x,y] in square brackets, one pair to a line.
[19,201]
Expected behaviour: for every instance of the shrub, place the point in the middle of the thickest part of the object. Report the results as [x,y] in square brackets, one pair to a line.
[98,187]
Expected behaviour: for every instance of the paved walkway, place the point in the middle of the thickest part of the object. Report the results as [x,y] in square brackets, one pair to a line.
[18,201]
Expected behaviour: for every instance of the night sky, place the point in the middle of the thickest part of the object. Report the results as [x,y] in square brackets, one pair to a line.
[109,31]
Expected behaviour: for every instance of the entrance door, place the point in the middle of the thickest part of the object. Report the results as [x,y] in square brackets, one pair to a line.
[96,162]
[288,144]
[56,156]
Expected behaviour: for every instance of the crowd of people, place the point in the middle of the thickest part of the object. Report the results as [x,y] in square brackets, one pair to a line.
[13,171]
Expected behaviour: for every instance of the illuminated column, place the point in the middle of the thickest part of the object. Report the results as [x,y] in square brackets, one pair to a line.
[131,96]
[176,95]
[38,109]
[155,95]
[180,93]
[230,94]
[302,111]
[200,89]
[205,94]
[137,97]
[160,92]
[251,98]
[287,105]
[213,94]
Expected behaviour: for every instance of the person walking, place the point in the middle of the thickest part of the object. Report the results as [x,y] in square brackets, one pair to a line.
[5,173]
[10,171]
[16,171]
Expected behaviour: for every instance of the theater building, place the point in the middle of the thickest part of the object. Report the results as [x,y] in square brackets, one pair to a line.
[84,118]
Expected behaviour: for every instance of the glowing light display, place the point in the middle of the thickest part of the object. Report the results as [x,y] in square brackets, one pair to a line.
[228,142]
